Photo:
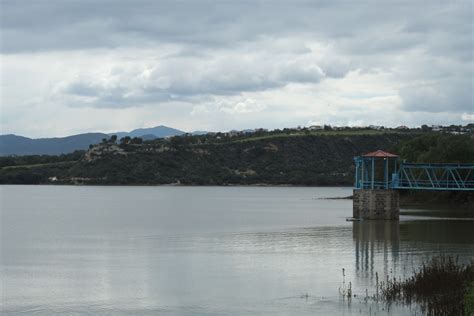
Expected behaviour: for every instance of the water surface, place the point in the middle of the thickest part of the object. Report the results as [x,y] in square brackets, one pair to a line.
[206,250]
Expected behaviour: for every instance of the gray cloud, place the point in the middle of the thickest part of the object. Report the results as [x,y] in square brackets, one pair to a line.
[182,78]
[365,26]
[454,95]
[196,51]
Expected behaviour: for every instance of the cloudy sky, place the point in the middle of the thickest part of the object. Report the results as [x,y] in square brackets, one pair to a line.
[78,66]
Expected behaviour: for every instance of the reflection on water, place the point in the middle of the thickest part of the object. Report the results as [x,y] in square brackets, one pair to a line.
[396,248]
[237,250]
[374,237]
[439,231]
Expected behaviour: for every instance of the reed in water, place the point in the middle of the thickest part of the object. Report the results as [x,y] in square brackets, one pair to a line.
[440,287]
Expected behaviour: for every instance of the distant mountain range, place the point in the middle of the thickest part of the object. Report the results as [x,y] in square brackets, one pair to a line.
[150,133]
[19,145]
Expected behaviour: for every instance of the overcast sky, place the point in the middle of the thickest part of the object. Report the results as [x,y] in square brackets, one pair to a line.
[70,67]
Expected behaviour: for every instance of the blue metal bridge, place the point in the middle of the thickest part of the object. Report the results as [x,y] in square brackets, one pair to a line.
[373,169]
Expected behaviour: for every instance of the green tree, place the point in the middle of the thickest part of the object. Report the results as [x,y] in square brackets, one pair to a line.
[438,148]
[136,140]
[125,140]
[113,138]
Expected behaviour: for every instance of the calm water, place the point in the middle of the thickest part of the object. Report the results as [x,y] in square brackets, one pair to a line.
[205,250]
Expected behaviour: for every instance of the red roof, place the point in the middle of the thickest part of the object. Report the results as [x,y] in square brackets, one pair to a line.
[380,154]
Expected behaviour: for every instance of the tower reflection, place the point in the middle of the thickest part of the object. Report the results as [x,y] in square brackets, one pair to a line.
[371,239]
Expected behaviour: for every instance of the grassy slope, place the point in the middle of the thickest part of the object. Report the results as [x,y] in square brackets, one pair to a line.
[39,165]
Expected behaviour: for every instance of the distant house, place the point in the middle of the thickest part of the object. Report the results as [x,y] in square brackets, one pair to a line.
[436,128]
[376,127]
[248,131]
[315,127]
[402,127]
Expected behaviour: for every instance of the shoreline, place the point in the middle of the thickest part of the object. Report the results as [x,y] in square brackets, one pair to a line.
[183,185]
[412,200]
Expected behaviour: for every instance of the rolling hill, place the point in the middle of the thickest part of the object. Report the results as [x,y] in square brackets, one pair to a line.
[19,145]
[160,131]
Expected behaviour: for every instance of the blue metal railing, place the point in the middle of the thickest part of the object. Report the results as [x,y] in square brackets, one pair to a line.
[377,185]
[418,176]
[421,176]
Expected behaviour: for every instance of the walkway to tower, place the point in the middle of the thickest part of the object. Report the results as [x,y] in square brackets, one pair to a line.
[372,172]
[379,175]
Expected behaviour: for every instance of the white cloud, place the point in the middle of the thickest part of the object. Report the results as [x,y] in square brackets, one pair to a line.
[233,106]
[468,117]
[131,83]
[70,67]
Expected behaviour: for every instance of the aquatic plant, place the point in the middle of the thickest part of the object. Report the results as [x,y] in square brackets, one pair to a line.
[469,300]
[345,291]
[439,287]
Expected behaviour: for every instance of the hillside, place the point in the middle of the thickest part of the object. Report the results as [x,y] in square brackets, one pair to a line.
[303,159]
[150,133]
[319,158]
[19,145]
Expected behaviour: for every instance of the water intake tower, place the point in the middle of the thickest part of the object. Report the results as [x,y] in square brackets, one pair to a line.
[374,197]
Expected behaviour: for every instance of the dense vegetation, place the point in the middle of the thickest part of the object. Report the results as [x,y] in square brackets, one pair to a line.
[442,286]
[438,148]
[285,157]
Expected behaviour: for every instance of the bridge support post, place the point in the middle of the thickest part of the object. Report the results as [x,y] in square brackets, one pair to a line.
[376,204]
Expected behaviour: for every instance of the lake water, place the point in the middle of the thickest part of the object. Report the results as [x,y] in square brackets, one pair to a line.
[206,250]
